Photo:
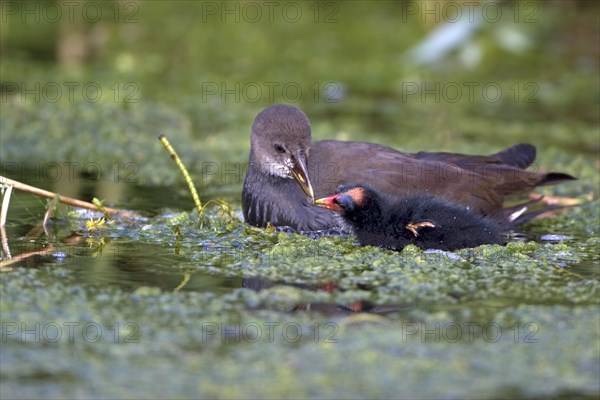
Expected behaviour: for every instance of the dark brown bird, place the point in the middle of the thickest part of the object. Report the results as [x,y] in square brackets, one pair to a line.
[287,170]
[377,219]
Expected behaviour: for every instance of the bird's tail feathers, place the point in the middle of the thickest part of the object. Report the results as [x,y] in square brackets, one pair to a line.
[519,214]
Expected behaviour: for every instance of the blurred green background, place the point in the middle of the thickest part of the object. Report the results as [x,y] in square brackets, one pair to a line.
[98,81]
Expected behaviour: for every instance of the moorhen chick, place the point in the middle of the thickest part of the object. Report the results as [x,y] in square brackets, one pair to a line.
[286,170]
[392,222]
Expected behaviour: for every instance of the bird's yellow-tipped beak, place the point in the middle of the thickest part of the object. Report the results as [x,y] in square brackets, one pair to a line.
[300,174]
[329,203]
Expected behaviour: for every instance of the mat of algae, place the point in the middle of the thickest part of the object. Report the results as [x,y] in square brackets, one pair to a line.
[165,307]
[520,320]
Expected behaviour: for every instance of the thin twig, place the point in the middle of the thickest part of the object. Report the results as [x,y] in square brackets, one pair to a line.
[184,171]
[186,279]
[63,199]
[5,203]
[20,257]
[5,247]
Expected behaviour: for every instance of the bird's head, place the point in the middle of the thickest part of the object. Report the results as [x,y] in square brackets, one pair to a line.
[280,143]
[351,201]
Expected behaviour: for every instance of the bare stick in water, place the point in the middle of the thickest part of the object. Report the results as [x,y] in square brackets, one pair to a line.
[63,199]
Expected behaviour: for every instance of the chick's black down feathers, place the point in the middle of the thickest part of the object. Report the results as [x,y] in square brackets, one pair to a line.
[418,219]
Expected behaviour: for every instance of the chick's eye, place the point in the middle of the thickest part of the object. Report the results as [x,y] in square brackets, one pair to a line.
[345,202]
[279,148]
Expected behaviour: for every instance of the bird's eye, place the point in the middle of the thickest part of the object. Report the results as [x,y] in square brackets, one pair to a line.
[279,148]
[346,202]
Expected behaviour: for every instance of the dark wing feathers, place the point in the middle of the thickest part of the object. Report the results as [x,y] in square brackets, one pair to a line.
[551,178]
[478,182]
[520,155]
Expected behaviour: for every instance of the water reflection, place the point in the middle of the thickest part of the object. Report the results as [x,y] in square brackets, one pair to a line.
[328,309]
[130,264]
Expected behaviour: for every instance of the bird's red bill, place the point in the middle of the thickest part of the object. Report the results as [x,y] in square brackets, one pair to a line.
[328,202]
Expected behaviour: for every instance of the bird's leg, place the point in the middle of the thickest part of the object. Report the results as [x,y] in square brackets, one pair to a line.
[414,226]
